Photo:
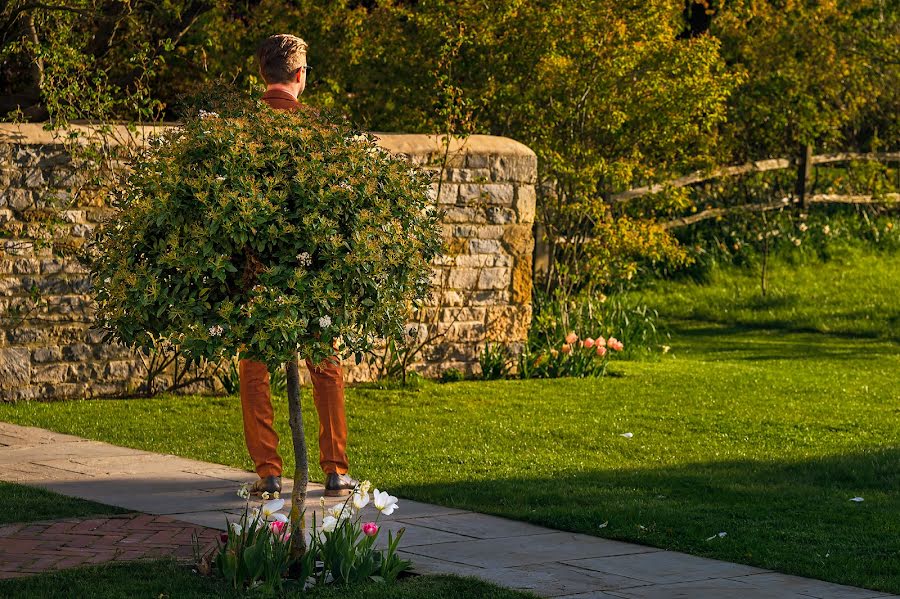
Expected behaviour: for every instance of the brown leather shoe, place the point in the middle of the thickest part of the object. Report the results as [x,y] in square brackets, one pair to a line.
[269,484]
[339,485]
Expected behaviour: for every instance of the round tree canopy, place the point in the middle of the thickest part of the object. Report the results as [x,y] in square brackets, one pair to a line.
[266,233]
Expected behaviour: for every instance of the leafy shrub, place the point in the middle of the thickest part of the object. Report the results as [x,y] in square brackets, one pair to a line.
[262,233]
[452,375]
[495,361]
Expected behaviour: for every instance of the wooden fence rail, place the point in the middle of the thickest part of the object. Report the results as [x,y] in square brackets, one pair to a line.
[758,166]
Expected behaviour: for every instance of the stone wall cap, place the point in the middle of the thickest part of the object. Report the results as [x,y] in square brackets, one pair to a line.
[413,144]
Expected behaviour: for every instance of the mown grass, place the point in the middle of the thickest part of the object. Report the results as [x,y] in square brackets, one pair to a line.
[757,428]
[166,578]
[28,504]
[854,293]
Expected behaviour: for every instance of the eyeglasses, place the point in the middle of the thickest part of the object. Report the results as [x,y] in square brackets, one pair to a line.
[306,67]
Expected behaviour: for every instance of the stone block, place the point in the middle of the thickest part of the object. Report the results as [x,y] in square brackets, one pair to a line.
[81,230]
[34,178]
[518,239]
[50,353]
[494,278]
[508,323]
[448,193]
[475,194]
[501,216]
[525,203]
[78,352]
[521,168]
[15,366]
[74,216]
[482,260]
[24,393]
[17,199]
[26,266]
[470,332]
[462,215]
[522,280]
[119,369]
[63,391]
[6,215]
[468,175]
[485,246]
[463,278]
[479,161]
[467,314]
[50,373]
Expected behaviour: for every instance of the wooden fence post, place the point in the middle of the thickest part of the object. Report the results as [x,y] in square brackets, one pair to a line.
[804,165]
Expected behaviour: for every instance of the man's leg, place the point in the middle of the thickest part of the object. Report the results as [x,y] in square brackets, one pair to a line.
[328,395]
[256,405]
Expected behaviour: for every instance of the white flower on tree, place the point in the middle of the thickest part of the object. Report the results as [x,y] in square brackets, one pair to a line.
[324,322]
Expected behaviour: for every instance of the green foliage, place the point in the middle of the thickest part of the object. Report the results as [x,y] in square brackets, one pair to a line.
[452,375]
[820,73]
[596,316]
[262,233]
[257,555]
[494,360]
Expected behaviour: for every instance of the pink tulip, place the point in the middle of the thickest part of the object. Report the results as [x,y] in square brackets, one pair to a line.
[600,341]
[615,344]
[566,348]
[601,350]
[278,527]
[589,343]
[571,337]
[370,529]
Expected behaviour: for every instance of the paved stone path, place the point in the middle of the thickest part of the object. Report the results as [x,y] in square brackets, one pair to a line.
[437,539]
[35,547]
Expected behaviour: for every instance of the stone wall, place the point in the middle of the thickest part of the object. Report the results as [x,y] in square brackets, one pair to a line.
[482,287]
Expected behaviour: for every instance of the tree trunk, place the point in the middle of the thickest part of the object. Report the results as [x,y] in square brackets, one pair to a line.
[301,469]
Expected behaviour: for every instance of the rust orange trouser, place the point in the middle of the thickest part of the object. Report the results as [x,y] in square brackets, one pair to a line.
[262,440]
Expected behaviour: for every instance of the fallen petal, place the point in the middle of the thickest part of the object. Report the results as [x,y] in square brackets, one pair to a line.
[627,435]
[857,499]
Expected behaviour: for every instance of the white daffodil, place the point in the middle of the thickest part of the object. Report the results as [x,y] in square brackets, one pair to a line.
[340,511]
[360,500]
[244,491]
[270,511]
[329,523]
[236,528]
[364,487]
[385,503]
[265,495]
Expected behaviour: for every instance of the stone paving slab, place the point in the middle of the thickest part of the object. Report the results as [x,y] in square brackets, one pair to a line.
[437,539]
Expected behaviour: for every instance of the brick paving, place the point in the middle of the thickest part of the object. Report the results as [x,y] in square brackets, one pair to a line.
[36,547]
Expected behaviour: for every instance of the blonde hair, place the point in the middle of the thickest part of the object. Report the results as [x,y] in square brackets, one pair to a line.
[280,56]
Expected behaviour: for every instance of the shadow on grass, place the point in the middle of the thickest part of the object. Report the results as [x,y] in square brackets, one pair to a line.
[792,516]
[765,342]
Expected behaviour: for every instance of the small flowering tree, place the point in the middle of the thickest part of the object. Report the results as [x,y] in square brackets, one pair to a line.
[265,233]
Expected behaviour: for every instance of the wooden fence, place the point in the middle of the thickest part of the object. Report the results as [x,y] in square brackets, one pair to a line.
[802,196]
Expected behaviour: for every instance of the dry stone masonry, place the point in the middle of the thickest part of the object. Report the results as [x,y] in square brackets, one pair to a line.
[481,287]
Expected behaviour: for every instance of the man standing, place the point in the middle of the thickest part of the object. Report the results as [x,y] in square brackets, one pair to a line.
[282,64]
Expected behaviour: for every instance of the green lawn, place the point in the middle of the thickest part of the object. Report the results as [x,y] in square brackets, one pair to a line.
[28,504]
[762,433]
[853,294]
[162,579]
